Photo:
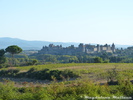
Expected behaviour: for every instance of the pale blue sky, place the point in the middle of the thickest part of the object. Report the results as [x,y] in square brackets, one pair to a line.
[85,21]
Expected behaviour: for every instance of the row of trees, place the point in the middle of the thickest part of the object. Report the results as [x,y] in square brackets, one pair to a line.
[48,58]
[102,57]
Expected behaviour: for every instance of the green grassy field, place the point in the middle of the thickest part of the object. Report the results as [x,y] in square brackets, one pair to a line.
[88,66]
[97,71]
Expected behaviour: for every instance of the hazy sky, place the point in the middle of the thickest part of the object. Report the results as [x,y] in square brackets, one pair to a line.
[85,21]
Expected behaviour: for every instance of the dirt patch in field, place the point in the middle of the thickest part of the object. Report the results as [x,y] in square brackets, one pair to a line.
[25,82]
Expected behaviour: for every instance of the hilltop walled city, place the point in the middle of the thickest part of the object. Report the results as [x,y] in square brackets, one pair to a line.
[87,48]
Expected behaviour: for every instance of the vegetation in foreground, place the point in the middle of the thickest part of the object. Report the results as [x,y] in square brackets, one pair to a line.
[68,90]
[118,82]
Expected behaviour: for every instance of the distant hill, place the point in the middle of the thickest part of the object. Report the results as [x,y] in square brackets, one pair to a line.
[30,45]
[37,45]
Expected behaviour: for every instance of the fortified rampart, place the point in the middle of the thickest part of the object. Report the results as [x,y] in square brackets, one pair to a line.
[87,48]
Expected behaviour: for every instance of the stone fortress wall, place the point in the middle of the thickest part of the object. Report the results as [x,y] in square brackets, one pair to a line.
[82,48]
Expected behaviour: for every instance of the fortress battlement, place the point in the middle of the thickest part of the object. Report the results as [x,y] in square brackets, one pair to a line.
[82,48]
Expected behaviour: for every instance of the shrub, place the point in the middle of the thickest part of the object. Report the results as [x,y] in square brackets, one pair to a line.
[68,73]
[98,60]
[10,72]
[31,70]
[45,74]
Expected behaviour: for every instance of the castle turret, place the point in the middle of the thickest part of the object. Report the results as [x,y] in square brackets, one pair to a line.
[82,47]
[60,46]
[98,48]
[51,45]
[113,47]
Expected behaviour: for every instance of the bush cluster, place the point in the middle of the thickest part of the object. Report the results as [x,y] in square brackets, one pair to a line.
[45,74]
[9,73]
[50,74]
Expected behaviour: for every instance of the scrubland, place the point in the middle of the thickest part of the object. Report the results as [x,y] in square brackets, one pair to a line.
[73,81]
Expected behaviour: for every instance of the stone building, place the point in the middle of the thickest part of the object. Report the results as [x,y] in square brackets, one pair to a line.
[87,48]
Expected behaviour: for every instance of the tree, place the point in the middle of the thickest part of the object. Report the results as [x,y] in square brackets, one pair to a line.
[2,57]
[14,49]
[98,60]
[34,61]
[2,52]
